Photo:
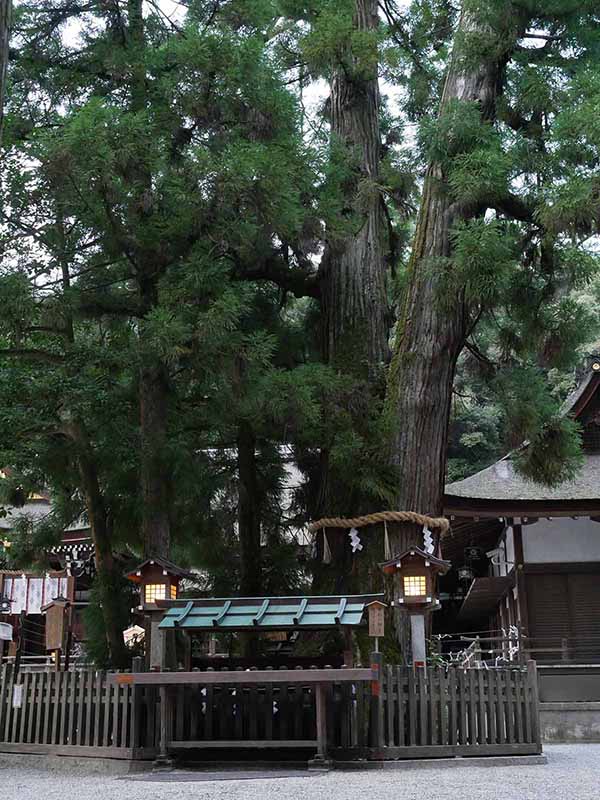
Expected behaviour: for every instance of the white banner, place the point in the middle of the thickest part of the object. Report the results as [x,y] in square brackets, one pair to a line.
[30,594]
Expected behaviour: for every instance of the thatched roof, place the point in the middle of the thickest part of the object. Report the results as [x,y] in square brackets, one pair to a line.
[501,481]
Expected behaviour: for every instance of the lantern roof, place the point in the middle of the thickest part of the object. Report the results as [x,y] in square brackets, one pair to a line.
[413,553]
[162,563]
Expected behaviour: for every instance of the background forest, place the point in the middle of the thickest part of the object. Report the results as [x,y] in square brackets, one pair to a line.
[350,240]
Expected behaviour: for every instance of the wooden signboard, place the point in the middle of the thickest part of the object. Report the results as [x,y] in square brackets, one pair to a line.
[377,620]
[56,624]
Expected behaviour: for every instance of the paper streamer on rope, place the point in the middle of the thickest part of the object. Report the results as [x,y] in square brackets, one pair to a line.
[428,545]
[355,540]
[326,549]
[387,550]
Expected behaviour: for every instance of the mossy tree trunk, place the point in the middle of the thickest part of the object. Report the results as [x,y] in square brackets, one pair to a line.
[432,328]
[352,277]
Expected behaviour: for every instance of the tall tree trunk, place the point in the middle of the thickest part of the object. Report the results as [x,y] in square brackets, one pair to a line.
[353,291]
[108,576]
[5,15]
[432,329]
[155,476]
[353,275]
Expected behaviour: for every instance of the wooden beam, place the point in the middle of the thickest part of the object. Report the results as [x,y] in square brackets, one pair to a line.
[215,744]
[475,507]
[258,676]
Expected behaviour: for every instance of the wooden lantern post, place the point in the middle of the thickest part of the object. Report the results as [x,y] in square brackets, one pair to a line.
[376,617]
[158,580]
[417,592]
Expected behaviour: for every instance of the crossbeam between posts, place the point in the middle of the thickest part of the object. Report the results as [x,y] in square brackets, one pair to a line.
[256,676]
[320,678]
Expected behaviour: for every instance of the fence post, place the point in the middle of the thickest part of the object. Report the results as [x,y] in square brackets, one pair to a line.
[377,710]
[163,762]
[532,679]
[321,761]
[137,665]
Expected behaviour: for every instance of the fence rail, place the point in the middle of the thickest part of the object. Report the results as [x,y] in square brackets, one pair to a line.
[407,713]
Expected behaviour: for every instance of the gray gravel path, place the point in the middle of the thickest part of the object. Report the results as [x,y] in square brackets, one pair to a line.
[572,773]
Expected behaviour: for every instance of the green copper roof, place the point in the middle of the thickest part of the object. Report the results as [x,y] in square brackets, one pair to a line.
[270,613]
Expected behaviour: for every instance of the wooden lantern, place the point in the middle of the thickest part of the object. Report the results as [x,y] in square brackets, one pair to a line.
[417,571]
[158,580]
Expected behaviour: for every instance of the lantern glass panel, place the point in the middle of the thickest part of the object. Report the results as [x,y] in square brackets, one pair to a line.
[155,591]
[415,585]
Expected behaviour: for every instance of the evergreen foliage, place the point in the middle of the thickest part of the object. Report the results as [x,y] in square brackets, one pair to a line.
[167,192]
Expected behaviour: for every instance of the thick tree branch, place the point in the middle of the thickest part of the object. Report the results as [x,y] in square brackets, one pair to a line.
[513,206]
[301,281]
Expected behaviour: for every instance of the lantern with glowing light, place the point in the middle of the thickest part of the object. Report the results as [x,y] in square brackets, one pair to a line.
[417,584]
[158,579]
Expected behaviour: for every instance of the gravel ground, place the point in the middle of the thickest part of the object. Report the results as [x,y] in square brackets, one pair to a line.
[572,773]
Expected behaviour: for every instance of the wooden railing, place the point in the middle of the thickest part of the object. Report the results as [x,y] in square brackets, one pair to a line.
[67,712]
[457,711]
[406,713]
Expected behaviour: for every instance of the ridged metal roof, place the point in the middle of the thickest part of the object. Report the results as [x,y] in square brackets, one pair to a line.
[272,613]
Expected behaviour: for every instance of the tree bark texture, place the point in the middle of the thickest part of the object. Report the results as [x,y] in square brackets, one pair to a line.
[432,330]
[5,15]
[353,278]
[155,475]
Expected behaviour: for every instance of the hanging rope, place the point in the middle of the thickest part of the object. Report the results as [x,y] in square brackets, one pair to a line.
[441,523]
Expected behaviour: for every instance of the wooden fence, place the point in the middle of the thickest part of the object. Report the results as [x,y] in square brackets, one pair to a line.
[454,711]
[407,714]
[78,712]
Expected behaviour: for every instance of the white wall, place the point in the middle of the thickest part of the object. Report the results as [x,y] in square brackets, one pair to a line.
[561,539]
